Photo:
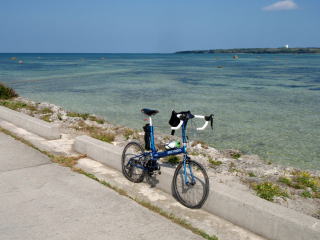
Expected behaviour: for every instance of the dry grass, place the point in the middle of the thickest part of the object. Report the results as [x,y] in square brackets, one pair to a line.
[16,105]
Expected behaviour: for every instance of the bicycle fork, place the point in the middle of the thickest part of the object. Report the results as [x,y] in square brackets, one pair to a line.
[187,176]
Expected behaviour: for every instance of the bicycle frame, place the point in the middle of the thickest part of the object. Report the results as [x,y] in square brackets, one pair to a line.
[155,155]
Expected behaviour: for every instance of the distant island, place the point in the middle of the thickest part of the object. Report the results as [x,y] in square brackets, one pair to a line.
[257,50]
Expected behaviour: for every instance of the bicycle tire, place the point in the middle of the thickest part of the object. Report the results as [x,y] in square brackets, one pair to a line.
[133,173]
[187,195]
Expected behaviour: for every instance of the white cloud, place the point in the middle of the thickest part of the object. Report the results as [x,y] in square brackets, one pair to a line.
[281,5]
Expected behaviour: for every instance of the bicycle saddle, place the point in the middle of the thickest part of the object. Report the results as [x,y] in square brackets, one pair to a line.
[149,112]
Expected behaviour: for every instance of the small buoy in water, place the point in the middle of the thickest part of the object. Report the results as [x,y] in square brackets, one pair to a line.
[20,62]
[13,58]
[235,57]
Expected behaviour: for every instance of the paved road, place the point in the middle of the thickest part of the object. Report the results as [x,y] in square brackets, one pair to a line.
[42,200]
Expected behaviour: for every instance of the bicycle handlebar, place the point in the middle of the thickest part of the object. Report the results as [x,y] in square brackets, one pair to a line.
[206,118]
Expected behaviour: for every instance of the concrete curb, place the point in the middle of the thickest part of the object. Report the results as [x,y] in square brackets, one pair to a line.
[34,125]
[61,146]
[243,209]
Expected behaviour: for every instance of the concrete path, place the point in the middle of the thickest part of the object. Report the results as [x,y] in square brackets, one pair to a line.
[42,200]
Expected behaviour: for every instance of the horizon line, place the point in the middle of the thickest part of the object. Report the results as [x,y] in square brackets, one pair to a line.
[147,52]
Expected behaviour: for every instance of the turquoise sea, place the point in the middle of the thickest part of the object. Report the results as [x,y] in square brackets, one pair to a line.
[264,104]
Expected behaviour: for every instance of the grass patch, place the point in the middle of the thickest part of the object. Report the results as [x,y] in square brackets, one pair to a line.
[16,105]
[172,159]
[84,116]
[45,111]
[251,174]
[106,137]
[285,180]
[303,180]
[214,162]
[7,92]
[82,126]
[268,191]
[235,155]
[95,132]
[127,133]
[306,194]
[66,161]
[46,118]
[96,119]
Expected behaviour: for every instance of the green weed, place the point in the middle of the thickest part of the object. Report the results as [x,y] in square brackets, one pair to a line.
[306,194]
[106,137]
[84,116]
[16,105]
[172,159]
[235,155]
[46,118]
[214,162]
[97,119]
[268,191]
[45,111]
[7,92]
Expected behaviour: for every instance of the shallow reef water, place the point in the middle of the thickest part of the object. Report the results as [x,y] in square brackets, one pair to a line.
[266,104]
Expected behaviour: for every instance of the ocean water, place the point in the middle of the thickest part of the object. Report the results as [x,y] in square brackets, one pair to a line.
[263,104]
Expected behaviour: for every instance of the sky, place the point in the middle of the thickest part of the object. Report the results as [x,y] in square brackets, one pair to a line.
[155,26]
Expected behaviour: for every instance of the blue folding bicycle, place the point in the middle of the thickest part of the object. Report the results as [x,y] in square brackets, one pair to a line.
[190,181]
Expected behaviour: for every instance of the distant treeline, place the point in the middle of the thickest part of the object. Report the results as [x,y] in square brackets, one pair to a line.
[257,50]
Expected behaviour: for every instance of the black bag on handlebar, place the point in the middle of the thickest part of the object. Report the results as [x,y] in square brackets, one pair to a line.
[147,135]
[174,120]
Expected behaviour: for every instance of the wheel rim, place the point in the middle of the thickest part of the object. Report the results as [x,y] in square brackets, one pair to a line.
[193,193]
[132,159]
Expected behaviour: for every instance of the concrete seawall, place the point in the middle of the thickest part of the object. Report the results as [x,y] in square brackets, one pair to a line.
[34,125]
[241,208]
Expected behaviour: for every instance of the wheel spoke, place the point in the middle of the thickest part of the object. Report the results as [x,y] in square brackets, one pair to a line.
[195,192]
[132,162]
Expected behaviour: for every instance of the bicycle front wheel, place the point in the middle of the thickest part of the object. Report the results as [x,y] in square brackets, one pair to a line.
[191,184]
[132,162]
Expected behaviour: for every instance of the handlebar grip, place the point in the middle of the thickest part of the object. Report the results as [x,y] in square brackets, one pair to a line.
[207,120]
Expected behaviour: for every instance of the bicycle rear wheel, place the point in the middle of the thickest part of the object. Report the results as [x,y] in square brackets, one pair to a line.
[191,184]
[132,162]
